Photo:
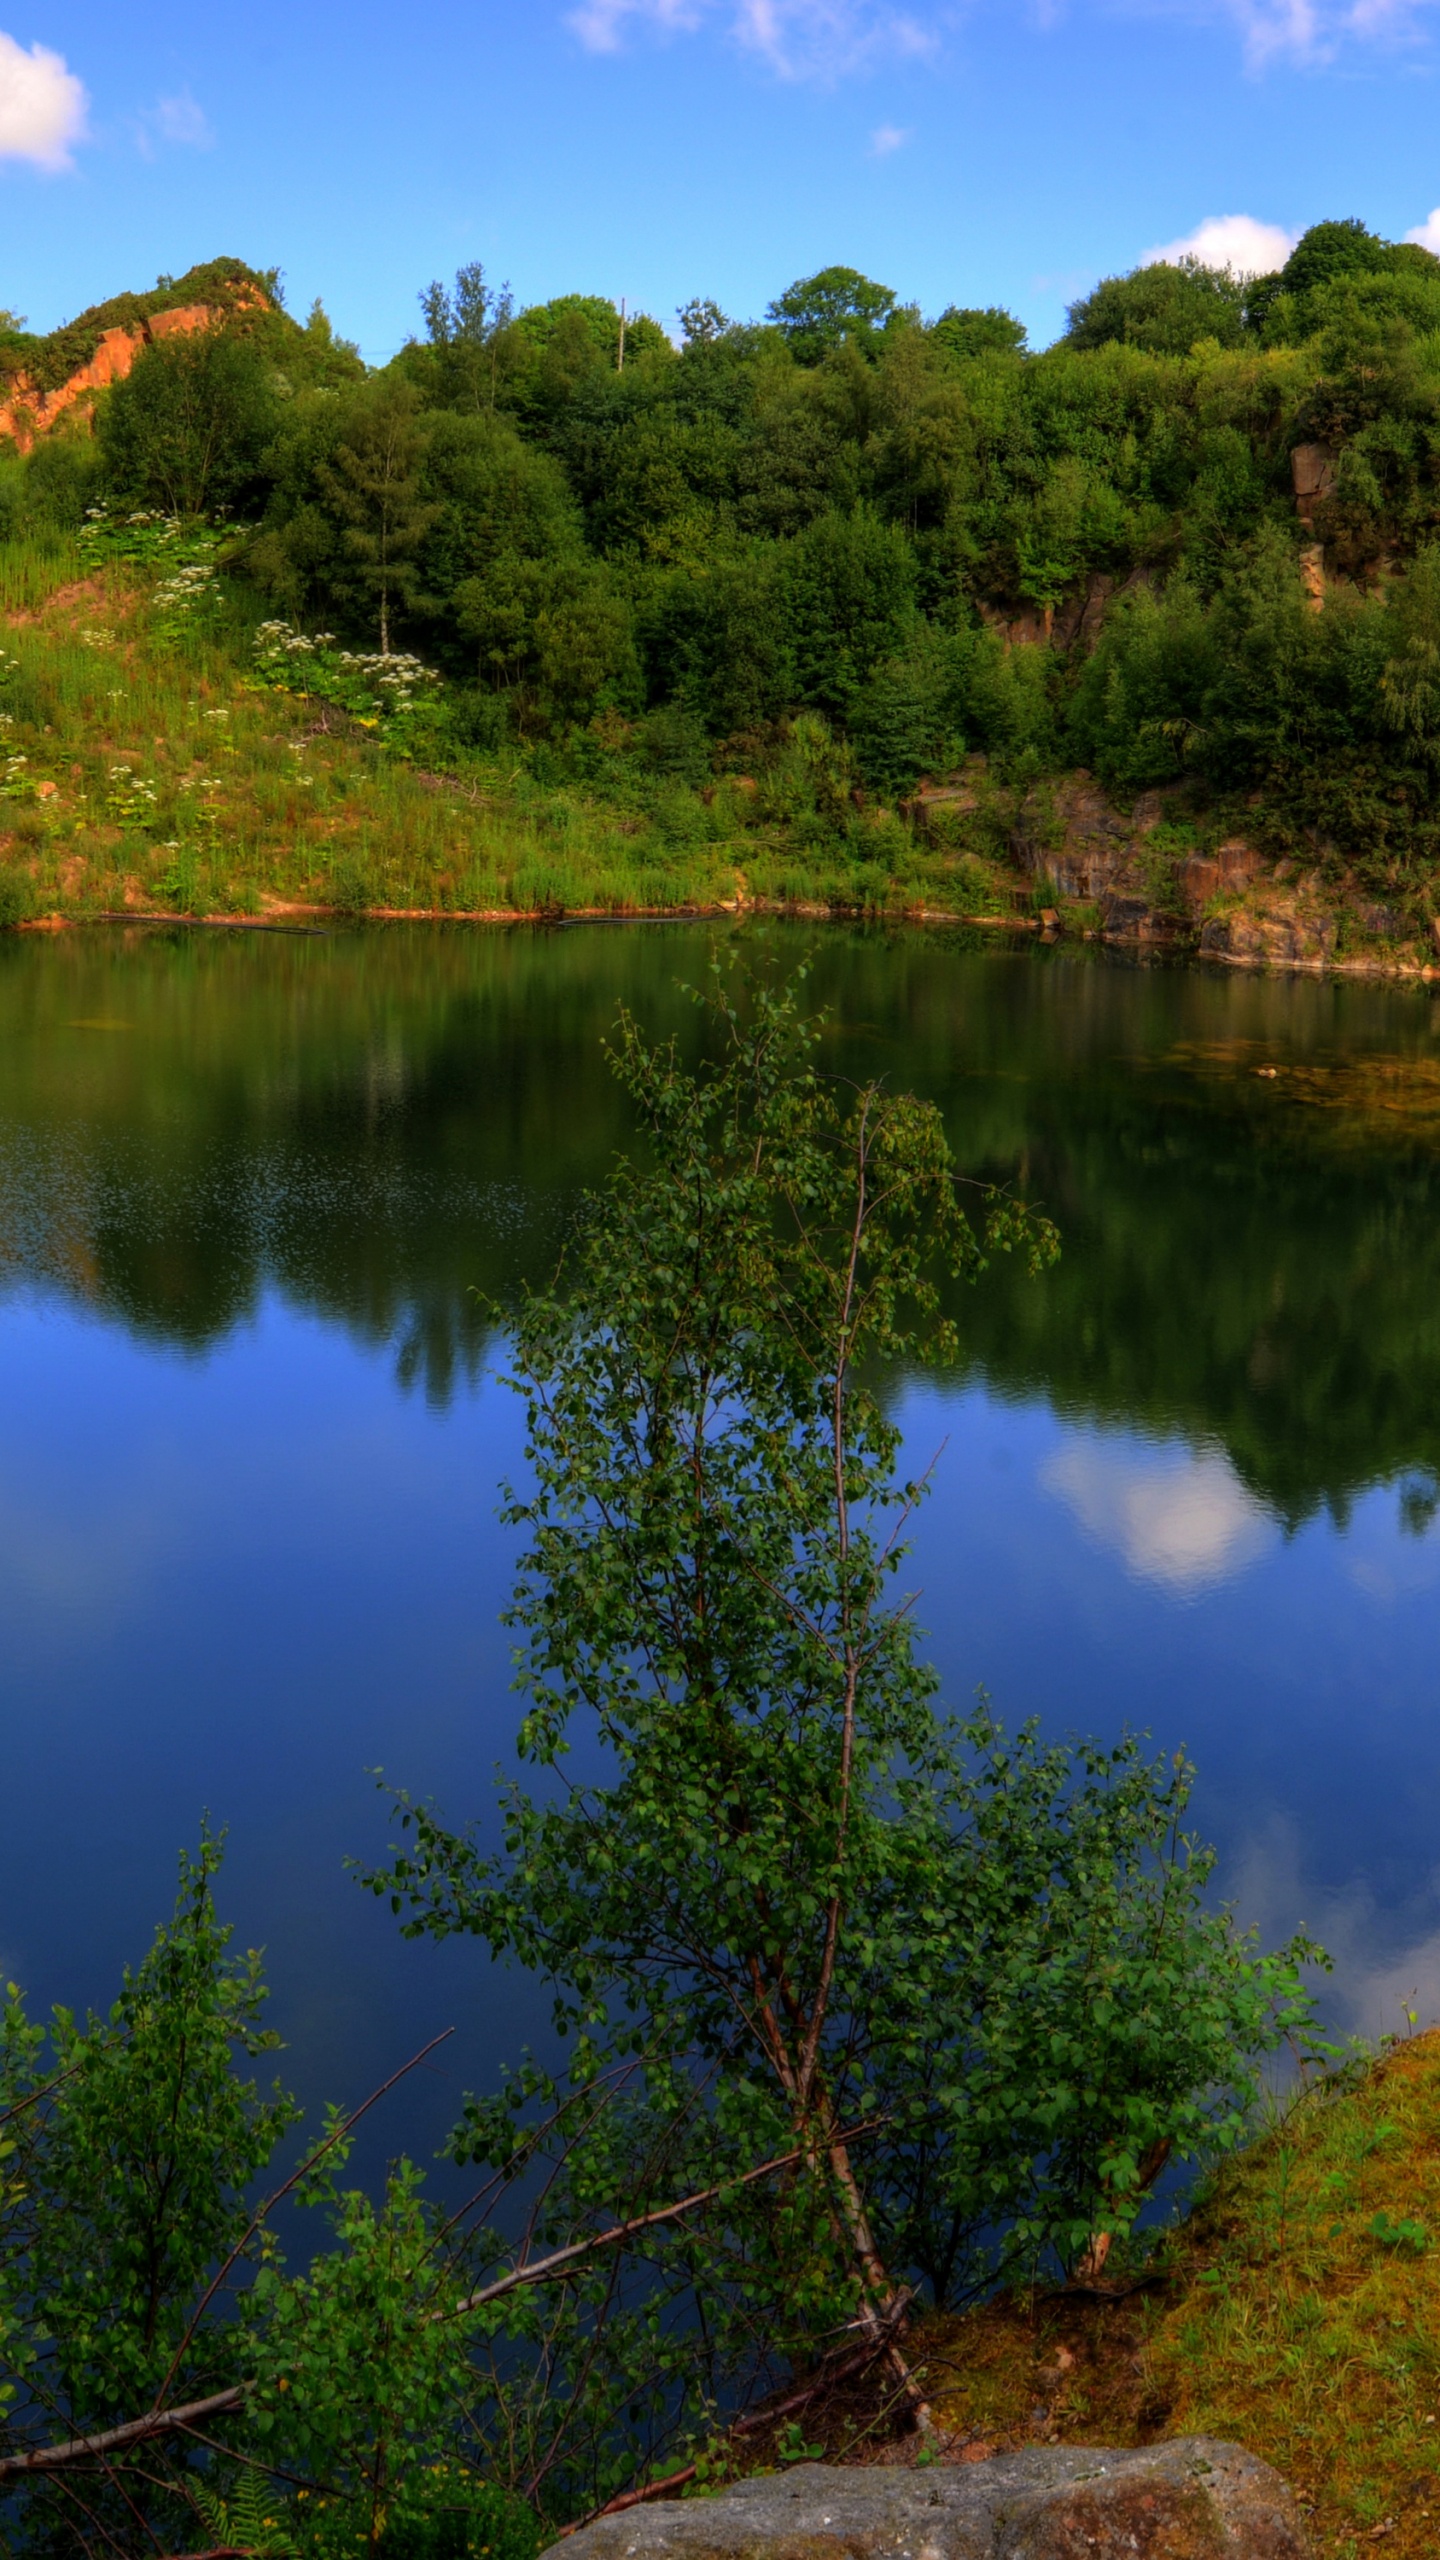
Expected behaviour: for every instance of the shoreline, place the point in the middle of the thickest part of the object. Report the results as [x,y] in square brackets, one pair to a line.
[301,916]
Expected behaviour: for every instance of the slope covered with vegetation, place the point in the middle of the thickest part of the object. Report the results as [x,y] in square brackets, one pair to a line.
[1294,2311]
[687,610]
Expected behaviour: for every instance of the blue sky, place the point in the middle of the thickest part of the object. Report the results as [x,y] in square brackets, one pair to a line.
[992,151]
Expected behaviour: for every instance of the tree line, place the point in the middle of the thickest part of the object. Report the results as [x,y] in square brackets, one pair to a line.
[613,542]
[618,544]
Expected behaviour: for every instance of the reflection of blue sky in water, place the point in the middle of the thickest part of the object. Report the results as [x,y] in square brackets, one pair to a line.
[1098,1579]
[242,1581]
[239,1582]
[240,1568]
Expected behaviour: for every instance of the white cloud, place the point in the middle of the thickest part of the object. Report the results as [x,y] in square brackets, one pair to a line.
[1386,1957]
[825,38]
[1230,240]
[42,105]
[799,39]
[602,25]
[182,120]
[887,138]
[1426,234]
[1315,30]
[1175,1516]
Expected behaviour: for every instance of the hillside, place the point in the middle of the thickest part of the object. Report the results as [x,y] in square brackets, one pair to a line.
[1294,2312]
[845,607]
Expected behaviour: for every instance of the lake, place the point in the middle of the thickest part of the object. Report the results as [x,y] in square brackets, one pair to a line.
[254,1192]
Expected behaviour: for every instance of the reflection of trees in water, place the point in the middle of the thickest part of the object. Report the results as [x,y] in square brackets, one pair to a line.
[382,1125]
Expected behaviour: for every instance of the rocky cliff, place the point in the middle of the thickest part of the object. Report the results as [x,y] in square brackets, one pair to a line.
[48,379]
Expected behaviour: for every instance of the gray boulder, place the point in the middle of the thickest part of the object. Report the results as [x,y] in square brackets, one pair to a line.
[1191,2499]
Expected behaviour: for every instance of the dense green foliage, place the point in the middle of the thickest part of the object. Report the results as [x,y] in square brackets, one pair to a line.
[963,1986]
[627,556]
[854,1999]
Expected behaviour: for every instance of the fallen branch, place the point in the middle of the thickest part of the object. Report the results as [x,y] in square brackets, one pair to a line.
[156,2422]
[539,2270]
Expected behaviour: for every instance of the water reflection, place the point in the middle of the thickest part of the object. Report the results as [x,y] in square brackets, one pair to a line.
[381,1125]
[1178,1517]
[249,1448]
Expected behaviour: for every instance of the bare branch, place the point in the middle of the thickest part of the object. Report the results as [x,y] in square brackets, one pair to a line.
[156,2422]
[540,2270]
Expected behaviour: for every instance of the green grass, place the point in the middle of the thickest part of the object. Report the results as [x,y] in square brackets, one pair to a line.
[143,769]
[1297,2311]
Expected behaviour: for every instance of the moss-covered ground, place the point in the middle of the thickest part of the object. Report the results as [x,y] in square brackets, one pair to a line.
[1297,2310]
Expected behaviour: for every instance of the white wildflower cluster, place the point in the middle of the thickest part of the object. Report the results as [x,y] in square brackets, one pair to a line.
[278,642]
[355,679]
[17,784]
[93,635]
[396,674]
[187,587]
[130,797]
[7,719]
[143,536]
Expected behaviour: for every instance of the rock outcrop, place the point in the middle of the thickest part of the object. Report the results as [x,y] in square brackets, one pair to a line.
[1272,929]
[1313,474]
[1192,2499]
[27,412]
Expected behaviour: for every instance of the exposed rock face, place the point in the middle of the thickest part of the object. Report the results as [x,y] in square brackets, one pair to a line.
[1312,470]
[1312,575]
[1076,620]
[1232,865]
[1277,929]
[1096,844]
[1193,2499]
[26,412]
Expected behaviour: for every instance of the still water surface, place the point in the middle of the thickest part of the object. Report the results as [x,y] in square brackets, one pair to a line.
[251,1433]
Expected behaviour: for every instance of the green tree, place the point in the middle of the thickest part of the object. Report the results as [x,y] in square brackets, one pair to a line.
[701,322]
[1163,308]
[134,2140]
[837,307]
[968,334]
[850,583]
[370,484]
[467,327]
[186,430]
[961,1982]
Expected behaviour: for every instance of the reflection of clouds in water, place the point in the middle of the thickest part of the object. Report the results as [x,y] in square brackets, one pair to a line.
[1176,1516]
[1387,1961]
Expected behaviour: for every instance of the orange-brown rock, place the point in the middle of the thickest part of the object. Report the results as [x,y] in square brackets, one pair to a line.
[1275,928]
[1312,471]
[27,412]
[1232,865]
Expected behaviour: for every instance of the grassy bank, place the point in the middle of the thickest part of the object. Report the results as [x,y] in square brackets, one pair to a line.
[1298,2311]
[146,767]
[159,757]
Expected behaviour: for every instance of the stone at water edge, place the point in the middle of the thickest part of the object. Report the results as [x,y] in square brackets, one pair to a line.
[1191,2499]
